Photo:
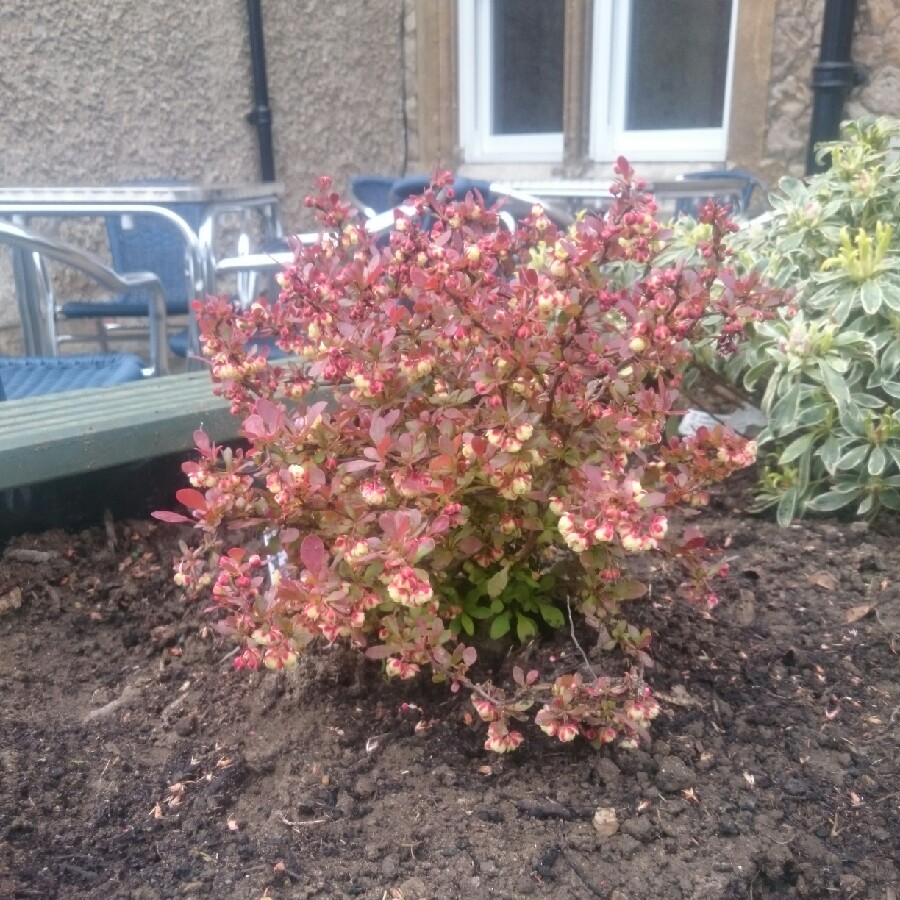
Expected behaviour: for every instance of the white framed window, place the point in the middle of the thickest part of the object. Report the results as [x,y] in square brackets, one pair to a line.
[511,55]
[659,87]
[661,79]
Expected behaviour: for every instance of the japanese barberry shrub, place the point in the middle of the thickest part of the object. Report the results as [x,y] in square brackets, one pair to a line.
[827,369]
[472,437]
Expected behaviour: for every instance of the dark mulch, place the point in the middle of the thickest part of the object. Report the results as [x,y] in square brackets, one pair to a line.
[135,763]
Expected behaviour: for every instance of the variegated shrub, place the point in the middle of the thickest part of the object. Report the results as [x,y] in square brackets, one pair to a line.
[828,368]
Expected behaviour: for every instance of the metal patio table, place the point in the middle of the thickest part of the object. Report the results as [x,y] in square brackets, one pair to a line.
[574,194]
[24,203]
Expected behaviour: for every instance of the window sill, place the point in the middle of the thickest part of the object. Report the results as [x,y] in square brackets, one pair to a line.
[602,171]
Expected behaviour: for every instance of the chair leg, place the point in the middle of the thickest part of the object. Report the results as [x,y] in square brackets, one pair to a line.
[102,339]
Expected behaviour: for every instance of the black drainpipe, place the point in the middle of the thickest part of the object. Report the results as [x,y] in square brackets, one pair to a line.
[261,114]
[833,77]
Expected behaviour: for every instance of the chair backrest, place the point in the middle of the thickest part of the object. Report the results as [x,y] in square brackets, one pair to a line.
[403,188]
[372,193]
[740,201]
[151,244]
[35,296]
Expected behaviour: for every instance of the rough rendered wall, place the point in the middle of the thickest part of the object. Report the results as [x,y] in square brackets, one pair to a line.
[102,91]
[797,34]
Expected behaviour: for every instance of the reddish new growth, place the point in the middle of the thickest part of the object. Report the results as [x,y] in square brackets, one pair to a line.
[464,395]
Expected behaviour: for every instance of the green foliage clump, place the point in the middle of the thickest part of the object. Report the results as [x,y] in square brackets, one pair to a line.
[827,368]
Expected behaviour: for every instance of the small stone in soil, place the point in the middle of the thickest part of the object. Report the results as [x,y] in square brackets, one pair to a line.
[364,787]
[632,761]
[796,787]
[345,804]
[545,862]
[639,827]
[487,814]
[626,846]
[728,827]
[673,775]
[414,889]
[185,726]
[607,771]
[583,841]
[390,866]
[605,822]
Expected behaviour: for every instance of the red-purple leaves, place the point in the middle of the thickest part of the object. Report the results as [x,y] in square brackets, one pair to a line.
[165,515]
[312,554]
[266,422]
[191,499]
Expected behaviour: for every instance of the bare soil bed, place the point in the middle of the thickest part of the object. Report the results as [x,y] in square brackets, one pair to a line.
[136,763]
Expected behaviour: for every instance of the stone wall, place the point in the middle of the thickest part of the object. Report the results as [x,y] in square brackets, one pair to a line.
[877,48]
[797,34]
[101,91]
[410,87]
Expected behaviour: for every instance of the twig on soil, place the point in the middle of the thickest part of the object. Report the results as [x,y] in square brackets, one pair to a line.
[130,693]
[82,873]
[785,843]
[584,656]
[835,831]
[578,869]
[23,554]
[295,825]
[110,527]
[229,655]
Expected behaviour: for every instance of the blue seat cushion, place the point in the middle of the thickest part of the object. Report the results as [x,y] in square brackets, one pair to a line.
[125,306]
[27,376]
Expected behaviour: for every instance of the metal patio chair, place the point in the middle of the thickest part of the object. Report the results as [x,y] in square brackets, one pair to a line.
[403,188]
[42,369]
[376,194]
[371,193]
[141,243]
[379,194]
[740,200]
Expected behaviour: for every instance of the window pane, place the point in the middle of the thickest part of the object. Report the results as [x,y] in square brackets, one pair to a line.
[528,66]
[677,63]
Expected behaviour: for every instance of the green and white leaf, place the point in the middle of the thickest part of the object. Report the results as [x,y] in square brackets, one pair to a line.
[833,500]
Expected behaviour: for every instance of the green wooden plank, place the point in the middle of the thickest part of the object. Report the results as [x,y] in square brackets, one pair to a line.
[82,411]
[144,387]
[64,434]
[43,438]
